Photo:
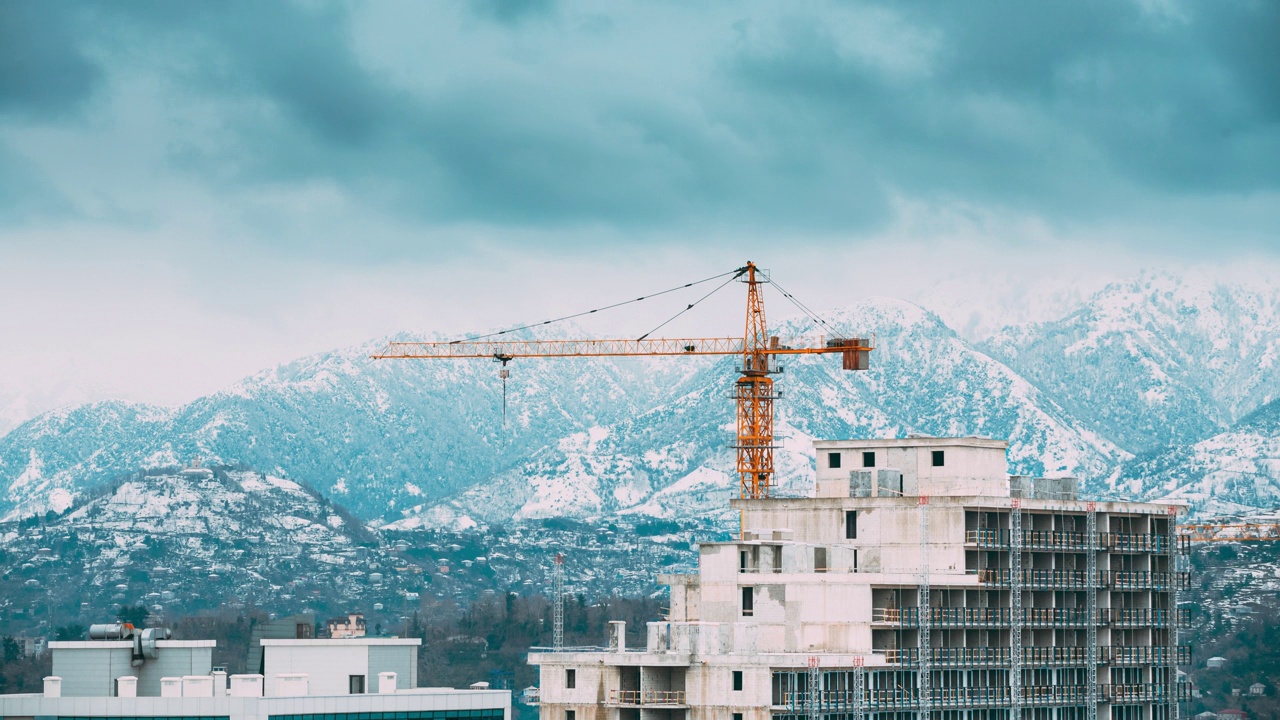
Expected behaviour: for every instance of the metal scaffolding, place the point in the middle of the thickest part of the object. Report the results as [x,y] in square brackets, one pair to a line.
[1091,592]
[814,700]
[557,591]
[1015,605]
[859,690]
[924,666]
[1172,632]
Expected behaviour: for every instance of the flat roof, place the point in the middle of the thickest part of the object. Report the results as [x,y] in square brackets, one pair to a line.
[978,442]
[323,642]
[91,644]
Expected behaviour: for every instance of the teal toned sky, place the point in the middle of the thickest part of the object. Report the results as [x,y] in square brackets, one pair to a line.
[218,186]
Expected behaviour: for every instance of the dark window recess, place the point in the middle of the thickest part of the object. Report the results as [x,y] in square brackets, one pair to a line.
[303,631]
[737,716]
[833,460]
[939,458]
[355,684]
[748,601]
[737,679]
[850,524]
[868,458]
[571,678]
[570,714]
[855,561]
[820,559]
[742,561]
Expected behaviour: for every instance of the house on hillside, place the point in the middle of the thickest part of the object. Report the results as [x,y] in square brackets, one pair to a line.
[1216,662]
[1233,715]
[351,626]
[1257,689]
[1206,715]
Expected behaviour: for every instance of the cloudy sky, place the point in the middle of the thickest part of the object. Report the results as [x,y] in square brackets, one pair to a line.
[190,192]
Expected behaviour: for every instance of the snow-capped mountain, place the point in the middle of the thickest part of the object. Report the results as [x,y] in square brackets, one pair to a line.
[1228,473]
[375,434]
[184,540]
[1153,363]
[674,460]
[1156,360]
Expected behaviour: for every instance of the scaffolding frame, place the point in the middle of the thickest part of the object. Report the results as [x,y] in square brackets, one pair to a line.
[1172,632]
[557,591]
[1015,609]
[814,700]
[924,662]
[1091,592]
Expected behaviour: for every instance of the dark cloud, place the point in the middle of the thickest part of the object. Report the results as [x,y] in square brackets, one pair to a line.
[512,12]
[794,118]
[1091,95]
[44,74]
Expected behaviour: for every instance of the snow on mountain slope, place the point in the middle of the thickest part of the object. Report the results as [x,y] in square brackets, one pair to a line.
[1233,472]
[189,540]
[676,459]
[376,434]
[1156,360]
[46,461]
[1148,363]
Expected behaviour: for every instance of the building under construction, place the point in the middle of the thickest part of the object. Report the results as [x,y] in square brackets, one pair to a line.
[920,581]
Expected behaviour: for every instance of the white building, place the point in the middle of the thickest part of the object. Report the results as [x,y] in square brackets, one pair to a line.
[355,679]
[1031,599]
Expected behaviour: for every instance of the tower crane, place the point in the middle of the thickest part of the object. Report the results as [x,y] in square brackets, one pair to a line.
[753,391]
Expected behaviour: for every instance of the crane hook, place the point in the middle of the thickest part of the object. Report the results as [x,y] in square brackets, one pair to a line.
[503,373]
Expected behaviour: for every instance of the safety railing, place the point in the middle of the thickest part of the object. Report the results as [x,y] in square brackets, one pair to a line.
[965,697]
[1060,540]
[1145,692]
[1000,656]
[1159,655]
[1143,579]
[1031,579]
[1143,617]
[646,697]
[982,617]
[1115,579]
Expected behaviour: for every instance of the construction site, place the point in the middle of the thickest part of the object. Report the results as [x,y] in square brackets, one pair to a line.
[919,579]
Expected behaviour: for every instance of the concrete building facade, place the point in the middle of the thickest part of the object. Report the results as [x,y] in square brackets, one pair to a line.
[920,581]
[305,679]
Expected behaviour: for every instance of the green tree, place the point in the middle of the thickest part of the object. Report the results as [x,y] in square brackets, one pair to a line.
[136,615]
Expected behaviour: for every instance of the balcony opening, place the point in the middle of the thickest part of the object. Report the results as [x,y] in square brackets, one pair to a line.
[570,678]
[737,680]
[819,559]
[355,684]
[748,601]
[850,524]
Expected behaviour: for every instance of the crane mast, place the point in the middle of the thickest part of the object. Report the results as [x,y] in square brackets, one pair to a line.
[753,391]
[755,396]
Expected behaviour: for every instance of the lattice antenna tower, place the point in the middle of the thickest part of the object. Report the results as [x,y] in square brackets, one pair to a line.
[924,660]
[1015,609]
[557,612]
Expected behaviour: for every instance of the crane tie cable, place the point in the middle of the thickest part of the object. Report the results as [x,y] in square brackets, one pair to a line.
[805,309]
[690,307]
[734,273]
